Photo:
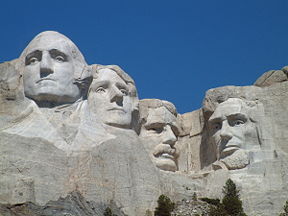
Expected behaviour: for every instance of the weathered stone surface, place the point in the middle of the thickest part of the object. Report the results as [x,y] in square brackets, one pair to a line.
[118,169]
[271,77]
[32,169]
[90,134]
[258,191]
[191,208]
[73,204]
[191,123]
[189,140]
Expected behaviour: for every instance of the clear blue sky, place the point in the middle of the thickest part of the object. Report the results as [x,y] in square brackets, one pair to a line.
[174,50]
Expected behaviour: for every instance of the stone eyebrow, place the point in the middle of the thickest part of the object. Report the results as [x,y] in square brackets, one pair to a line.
[154,125]
[55,52]
[214,119]
[175,128]
[101,83]
[237,115]
[35,53]
[121,85]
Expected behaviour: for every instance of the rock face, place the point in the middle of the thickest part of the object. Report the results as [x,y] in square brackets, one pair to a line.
[191,208]
[267,162]
[76,139]
[73,204]
[271,77]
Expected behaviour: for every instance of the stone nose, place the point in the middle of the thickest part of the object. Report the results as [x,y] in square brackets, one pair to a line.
[46,66]
[169,136]
[226,133]
[116,95]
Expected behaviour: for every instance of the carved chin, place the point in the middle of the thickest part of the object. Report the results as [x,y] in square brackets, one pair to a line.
[53,97]
[117,119]
[166,164]
[238,160]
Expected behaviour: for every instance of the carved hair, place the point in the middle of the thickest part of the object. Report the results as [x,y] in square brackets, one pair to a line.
[124,76]
[251,105]
[145,104]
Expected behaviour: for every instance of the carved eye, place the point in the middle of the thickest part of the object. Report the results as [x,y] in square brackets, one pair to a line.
[124,91]
[60,58]
[238,122]
[33,60]
[100,90]
[217,126]
[156,129]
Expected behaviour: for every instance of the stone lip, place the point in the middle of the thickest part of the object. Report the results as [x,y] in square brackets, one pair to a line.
[73,204]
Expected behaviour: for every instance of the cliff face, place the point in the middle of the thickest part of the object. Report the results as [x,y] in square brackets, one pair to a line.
[73,204]
[83,142]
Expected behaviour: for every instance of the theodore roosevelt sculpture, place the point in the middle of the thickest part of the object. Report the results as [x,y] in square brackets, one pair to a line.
[159,132]
[52,66]
[233,132]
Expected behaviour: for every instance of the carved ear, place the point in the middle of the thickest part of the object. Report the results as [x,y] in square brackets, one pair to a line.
[135,105]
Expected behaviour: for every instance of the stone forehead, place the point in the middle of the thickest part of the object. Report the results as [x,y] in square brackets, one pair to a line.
[53,38]
[49,35]
[230,106]
[46,42]
[46,38]
[109,76]
[233,104]
[97,68]
[160,115]
[145,104]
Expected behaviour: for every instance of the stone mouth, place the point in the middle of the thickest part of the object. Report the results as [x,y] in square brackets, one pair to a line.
[165,155]
[44,79]
[117,109]
[228,150]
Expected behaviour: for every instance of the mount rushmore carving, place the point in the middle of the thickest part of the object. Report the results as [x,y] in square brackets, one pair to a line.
[68,126]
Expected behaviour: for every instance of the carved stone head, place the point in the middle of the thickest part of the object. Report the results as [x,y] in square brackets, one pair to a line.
[112,96]
[233,131]
[159,131]
[52,63]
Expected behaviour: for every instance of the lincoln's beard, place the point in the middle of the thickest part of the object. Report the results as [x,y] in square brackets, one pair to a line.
[238,160]
[165,164]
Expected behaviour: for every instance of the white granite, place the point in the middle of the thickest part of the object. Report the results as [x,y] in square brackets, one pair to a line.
[66,126]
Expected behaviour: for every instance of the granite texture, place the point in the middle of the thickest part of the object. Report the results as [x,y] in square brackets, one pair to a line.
[75,139]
